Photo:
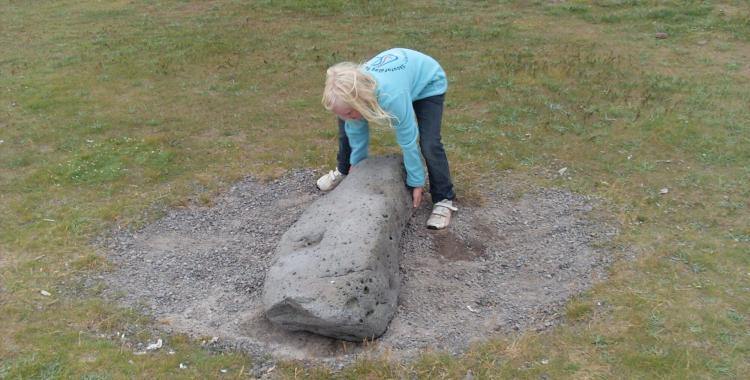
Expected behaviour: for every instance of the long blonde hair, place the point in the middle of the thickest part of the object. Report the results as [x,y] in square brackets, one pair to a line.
[347,83]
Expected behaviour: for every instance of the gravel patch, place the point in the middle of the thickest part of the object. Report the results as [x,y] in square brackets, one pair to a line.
[509,265]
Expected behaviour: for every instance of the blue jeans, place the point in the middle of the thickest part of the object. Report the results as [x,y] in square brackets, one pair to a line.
[429,112]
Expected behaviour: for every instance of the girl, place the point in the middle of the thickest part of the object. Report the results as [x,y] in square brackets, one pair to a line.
[404,89]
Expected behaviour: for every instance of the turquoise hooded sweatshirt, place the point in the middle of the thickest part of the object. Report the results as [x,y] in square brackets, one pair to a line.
[403,76]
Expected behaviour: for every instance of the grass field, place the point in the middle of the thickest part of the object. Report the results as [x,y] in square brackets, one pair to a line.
[113,111]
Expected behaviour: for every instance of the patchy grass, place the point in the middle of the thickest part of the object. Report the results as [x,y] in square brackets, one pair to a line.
[114,111]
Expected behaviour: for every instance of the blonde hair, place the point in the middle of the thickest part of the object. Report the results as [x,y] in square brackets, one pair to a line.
[347,83]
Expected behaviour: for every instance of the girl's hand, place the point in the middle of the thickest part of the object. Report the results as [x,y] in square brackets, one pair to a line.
[416,195]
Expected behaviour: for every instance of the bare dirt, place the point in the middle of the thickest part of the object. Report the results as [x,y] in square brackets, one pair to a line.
[507,265]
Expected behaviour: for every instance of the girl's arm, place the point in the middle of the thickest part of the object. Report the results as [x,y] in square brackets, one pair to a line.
[358,133]
[407,136]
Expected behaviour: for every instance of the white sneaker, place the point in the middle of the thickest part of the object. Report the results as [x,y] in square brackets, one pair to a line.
[330,180]
[441,215]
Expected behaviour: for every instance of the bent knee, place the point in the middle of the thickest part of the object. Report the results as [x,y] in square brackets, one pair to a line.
[431,147]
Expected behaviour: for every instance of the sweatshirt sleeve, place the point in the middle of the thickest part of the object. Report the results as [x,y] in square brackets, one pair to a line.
[407,135]
[359,135]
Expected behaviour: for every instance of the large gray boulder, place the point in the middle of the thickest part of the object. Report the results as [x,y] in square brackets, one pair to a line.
[335,272]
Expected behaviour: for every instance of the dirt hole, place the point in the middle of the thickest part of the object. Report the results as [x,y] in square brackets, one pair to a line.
[451,247]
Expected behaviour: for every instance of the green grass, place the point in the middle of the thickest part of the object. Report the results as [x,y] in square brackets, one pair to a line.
[112,112]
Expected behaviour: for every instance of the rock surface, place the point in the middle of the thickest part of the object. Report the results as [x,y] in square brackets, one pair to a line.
[336,270]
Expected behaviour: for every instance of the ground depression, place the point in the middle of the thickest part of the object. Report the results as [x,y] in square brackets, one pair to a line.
[507,265]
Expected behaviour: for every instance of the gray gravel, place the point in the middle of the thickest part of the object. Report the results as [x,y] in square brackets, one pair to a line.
[509,265]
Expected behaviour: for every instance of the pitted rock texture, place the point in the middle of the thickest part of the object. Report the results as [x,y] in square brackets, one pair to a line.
[336,270]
